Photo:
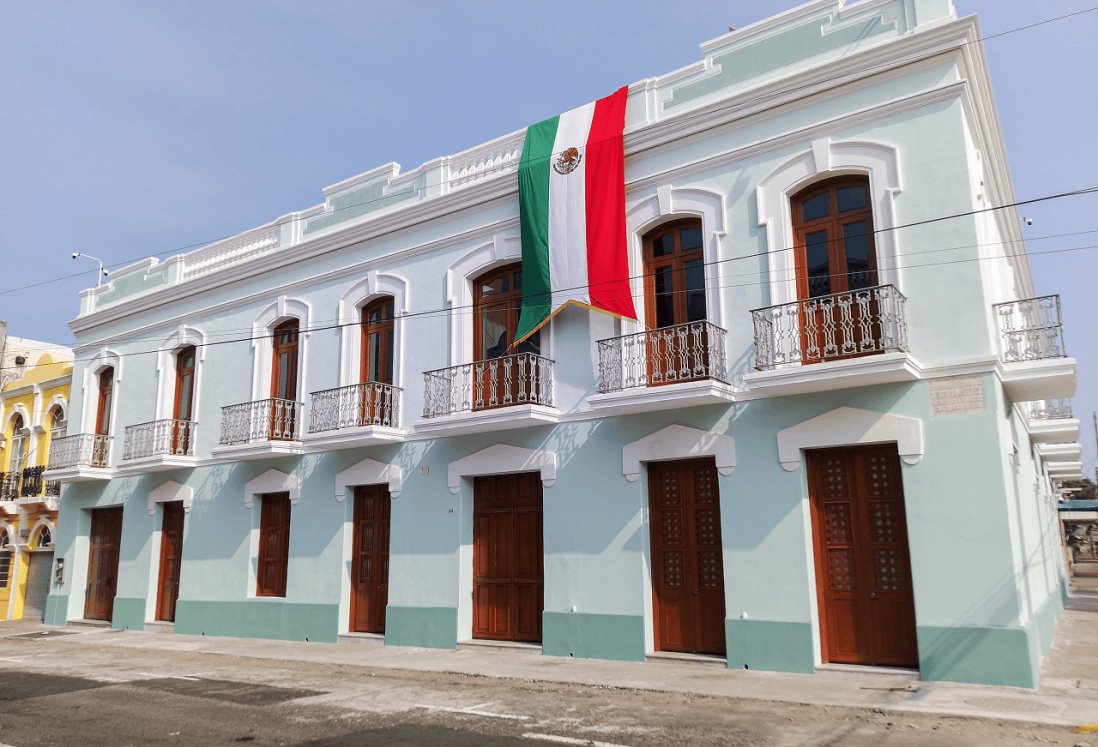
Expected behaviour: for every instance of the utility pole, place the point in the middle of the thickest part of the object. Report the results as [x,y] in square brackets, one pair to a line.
[1094,415]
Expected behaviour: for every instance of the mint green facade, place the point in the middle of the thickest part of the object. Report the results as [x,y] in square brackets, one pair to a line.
[986,569]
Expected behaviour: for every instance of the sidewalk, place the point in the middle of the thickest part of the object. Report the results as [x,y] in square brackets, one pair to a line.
[1068,695]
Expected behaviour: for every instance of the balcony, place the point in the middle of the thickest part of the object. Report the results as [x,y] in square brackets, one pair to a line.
[159,445]
[1034,359]
[1051,421]
[841,340]
[661,369]
[514,391]
[363,414]
[34,489]
[79,458]
[260,429]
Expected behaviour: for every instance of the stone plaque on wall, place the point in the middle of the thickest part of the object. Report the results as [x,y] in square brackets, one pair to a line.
[955,395]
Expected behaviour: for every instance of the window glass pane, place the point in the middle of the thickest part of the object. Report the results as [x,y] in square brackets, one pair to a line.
[283,391]
[690,238]
[695,290]
[663,245]
[816,207]
[105,414]
[374,367]
[852,198]
[493,332]
[518,280]
[819,270]
[856,245]
[665,296]
[531,344]
[185,385]
[388,358]
[498,284]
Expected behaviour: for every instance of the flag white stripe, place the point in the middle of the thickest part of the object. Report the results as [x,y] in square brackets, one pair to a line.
[567,209]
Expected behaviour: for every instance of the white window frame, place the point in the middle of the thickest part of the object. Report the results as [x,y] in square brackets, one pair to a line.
[360,295]
[282,310]
[167,364]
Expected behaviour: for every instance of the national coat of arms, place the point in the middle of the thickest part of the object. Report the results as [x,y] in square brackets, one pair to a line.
[567,161]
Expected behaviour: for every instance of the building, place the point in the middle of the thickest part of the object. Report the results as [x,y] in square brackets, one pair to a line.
[813,449]
[34,395]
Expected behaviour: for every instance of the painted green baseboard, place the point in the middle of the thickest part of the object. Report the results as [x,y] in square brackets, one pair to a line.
[424,627]
[259,618]
[129,613]
[985,656]
[1047,617]
[770,646]
[57,608]
[590,636]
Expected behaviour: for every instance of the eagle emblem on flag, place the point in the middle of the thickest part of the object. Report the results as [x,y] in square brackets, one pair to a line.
[567,161]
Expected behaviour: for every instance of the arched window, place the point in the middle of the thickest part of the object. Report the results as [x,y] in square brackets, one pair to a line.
[106,398]
[42,538]
[184,383]
[284,365]
[58,424]
[377,341]
[18,453]
[5,559]
[833,237]
[674,275]
[497,300]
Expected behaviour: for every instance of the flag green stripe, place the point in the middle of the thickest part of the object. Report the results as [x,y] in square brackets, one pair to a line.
[533,178]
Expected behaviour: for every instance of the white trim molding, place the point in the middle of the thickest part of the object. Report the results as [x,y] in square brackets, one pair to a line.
[668,204]
[502,459]
[183,336]
[281,310]
[103,359]
[824,159]
[367,290]
[272,481]
[51,527]
[169,492]
[849,426]
[678,442]
[369,472]
[502,250]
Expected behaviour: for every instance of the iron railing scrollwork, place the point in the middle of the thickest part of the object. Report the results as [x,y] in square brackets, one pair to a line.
[80,450]
[1050,409]
[9,486]
[832,327]
[31,482]
[263,420]
[355,406]
[1030,329]
[668,355]
[159,438]
[521,379]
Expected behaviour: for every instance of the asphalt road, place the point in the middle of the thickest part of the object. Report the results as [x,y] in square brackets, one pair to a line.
[60,691]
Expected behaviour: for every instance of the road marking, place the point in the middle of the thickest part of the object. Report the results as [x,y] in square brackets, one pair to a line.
[474,711]
[9,658]
[150,675]
[569,740]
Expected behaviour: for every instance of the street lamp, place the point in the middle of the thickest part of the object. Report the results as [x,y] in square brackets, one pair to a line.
[103,271]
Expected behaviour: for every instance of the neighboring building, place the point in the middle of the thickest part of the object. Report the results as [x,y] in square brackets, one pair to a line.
[828,440]
[34,394]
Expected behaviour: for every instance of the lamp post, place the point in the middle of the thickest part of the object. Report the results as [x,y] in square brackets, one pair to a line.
[103,271]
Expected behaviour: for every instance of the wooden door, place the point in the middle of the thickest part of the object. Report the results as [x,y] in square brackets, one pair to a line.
[863,566]
[370,559]
[104,542]
[171,561]
[283,420]
[38,585]
[376,364]
[508,570]
[183,409]
[687,556]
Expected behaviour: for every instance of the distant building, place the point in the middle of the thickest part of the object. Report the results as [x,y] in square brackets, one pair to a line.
[34,394]
[831,439]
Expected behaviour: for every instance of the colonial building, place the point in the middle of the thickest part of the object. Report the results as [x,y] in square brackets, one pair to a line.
[830,439]
[34,393]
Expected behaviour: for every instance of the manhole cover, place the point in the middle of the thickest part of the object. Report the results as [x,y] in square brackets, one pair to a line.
[1007,704]
[39,634]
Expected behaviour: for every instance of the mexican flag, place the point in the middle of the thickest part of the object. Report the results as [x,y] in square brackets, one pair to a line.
[572,214]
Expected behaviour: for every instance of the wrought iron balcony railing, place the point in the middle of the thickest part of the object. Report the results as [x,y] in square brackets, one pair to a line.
[668,355]
[522,379]
[9,486]
[263,420]
[29,484]
[355,406]
[159,438]
[80,450]
[832,327]
[1050,409]
[1030,329]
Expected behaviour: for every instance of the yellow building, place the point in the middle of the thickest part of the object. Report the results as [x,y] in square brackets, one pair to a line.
[34,395]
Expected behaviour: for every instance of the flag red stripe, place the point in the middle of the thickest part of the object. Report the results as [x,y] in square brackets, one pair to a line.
[607,260]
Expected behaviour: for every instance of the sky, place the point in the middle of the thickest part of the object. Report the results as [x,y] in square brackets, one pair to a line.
[136,128]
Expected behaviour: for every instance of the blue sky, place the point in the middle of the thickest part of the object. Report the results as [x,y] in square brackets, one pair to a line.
[138,128]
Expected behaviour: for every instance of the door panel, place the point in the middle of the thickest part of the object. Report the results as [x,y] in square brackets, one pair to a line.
[171,561]
[508,560]
[370,560]
[863,574]
[687,556]
[104,542]
[38,585]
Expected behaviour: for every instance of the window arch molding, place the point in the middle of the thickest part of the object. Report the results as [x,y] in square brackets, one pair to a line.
[668,205]
[502,250]
[35,534]
[360,295]
[166,364]
[103,360]
[279,312]
[825,159]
